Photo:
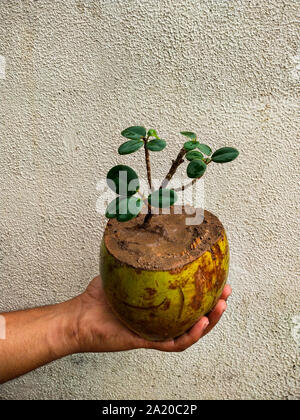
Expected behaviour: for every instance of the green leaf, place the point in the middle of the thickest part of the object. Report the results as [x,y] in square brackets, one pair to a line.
[124,208]
[123,180]
[130,146]
[156,145]
[225,154]
[196,168]
[111,209]
[152,133]
[194,154]
[134,133]
[129,208]
[189,134]
[204,149]
[190,145]
[162,198]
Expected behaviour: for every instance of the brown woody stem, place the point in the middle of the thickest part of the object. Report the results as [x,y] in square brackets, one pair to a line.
[185,187]
[148,166]
[143,198]
[178,161]
[147,218]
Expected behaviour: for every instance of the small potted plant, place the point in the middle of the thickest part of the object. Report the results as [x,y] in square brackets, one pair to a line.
[160,274]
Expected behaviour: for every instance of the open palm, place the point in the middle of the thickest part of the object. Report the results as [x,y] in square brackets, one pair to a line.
[101,331]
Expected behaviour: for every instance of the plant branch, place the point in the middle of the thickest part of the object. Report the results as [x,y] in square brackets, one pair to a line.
[178,161]
[148,166]
[144,199]
[185,187]
[193,182]
[148,218]
[175,164]
[146,202]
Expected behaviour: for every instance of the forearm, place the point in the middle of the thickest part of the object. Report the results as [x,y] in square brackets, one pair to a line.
[36,337]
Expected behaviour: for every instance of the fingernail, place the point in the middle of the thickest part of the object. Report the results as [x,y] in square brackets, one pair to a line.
[206,324]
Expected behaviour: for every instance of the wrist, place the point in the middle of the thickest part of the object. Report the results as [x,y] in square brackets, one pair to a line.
[63,334]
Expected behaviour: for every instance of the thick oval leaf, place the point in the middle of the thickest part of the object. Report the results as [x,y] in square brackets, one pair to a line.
[225,154]
[162,198]
[196,168]
[123,180]
[204,149]
[152,133]
[134,133]
[124,208]
[130,146]
[129,207]
[112,208]
[189,134]
[156,145]
[190,145]
[194,154]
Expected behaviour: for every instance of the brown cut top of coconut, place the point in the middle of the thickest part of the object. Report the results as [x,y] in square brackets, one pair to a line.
[168,243]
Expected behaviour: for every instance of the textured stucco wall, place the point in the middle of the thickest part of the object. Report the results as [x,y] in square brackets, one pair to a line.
[76,73]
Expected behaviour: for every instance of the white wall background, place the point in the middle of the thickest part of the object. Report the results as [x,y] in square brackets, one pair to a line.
[76,74]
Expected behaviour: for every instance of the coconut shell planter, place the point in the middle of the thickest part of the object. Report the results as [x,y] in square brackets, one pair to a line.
[160,274]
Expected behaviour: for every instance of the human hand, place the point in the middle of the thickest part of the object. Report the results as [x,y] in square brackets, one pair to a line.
[99,330]
[85,323]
